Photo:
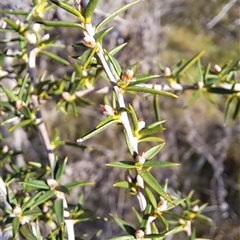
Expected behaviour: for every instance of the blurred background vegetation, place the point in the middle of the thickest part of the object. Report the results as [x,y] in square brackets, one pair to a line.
[208,149]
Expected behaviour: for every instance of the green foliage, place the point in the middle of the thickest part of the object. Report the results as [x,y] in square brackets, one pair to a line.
[42,197]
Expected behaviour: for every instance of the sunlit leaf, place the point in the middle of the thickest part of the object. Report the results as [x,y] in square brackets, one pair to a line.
[43,198]
[151,197]
[152,182]
[59,210]
[150,90]
[188,64]
[54,57]
[59,169]
[124,225]
[88,11]
[68,8]
[15,226]
[60,24]
[122,164]
[99,36]
[112,16]
[158,164]
[27,232]
[152,152]
[96,131]
[117,49]
[36,185]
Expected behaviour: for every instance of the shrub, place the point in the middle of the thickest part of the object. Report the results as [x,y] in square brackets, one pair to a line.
[34,201]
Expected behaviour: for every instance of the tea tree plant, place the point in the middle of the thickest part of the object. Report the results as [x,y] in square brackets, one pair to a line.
[32,194]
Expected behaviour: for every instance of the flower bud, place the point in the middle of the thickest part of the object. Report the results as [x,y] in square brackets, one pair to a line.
[107,110]
[217,69]
[139,234]
[19,104]
[140,158]
[141,124]
[52,183]
[68,97]
[17,211]
[140,181]
[195,208]
[162,205]
[127,75]
[128,177]
[88,40]
[167,72]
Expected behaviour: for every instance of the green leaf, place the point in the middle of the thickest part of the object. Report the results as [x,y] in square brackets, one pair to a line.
[127,237]
[123,184]
[152,152]
[35,185]
[21,124]
[134,119]
[151,197]
[12,24]
[194,97]
[220,90]
[99,36]
[156,107]
[114,63]
[96,131]
[29,203]
[151,139]
[78,184]
[150,90]
[138,216]
[124,225]
[149,131]
[59,169]
[143,78]
[237,109]
[11,96]
[186,66]
[117,49]
[152,182]
[27,232]
[59,210]
[129,144]
[146,215]
[164,221]
[60,24]
[15,226]
[68,8]
[55,57]
[112,16]
[158,164]
[88,11]
[43,198]
[122,164]
[228,104]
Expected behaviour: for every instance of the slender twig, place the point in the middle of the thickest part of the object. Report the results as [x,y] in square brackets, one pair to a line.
[46,141]
[124,117]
